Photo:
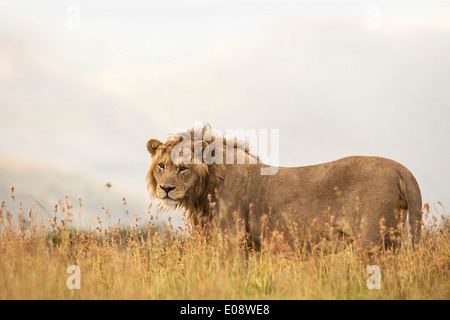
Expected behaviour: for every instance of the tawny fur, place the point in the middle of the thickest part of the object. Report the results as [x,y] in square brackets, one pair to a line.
[356,197]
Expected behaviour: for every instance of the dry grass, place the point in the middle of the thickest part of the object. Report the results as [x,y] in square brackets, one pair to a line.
[139,262]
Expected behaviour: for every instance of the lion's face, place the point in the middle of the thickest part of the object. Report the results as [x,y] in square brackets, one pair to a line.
[170,179]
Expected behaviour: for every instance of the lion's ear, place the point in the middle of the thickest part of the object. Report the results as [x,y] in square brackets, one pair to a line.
[152,145]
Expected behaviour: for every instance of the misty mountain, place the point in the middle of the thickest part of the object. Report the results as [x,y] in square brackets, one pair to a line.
[46,186]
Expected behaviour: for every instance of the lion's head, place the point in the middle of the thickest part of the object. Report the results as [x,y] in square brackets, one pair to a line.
[179,178]
[172,180]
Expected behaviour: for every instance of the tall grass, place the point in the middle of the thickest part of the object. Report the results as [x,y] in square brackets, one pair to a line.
[140,261]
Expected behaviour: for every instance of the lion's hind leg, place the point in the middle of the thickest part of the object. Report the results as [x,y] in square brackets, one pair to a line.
[382,226]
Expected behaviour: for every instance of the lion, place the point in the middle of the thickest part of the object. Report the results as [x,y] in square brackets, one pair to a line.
[357,198]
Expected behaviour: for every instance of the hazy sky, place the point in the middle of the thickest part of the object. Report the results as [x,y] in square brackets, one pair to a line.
[85,84]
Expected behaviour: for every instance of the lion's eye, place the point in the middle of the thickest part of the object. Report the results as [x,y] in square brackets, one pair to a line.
[181,169]
[161,165]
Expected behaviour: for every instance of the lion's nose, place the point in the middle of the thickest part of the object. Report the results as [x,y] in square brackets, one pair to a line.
[167,189]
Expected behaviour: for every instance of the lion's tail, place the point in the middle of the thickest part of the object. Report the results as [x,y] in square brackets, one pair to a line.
[410,190]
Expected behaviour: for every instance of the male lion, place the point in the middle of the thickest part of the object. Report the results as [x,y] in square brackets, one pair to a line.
[356,198]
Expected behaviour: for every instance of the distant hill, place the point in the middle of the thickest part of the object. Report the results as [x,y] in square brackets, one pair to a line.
[46,185]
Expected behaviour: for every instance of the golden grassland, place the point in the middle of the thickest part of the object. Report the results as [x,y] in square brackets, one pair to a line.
[142,262]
